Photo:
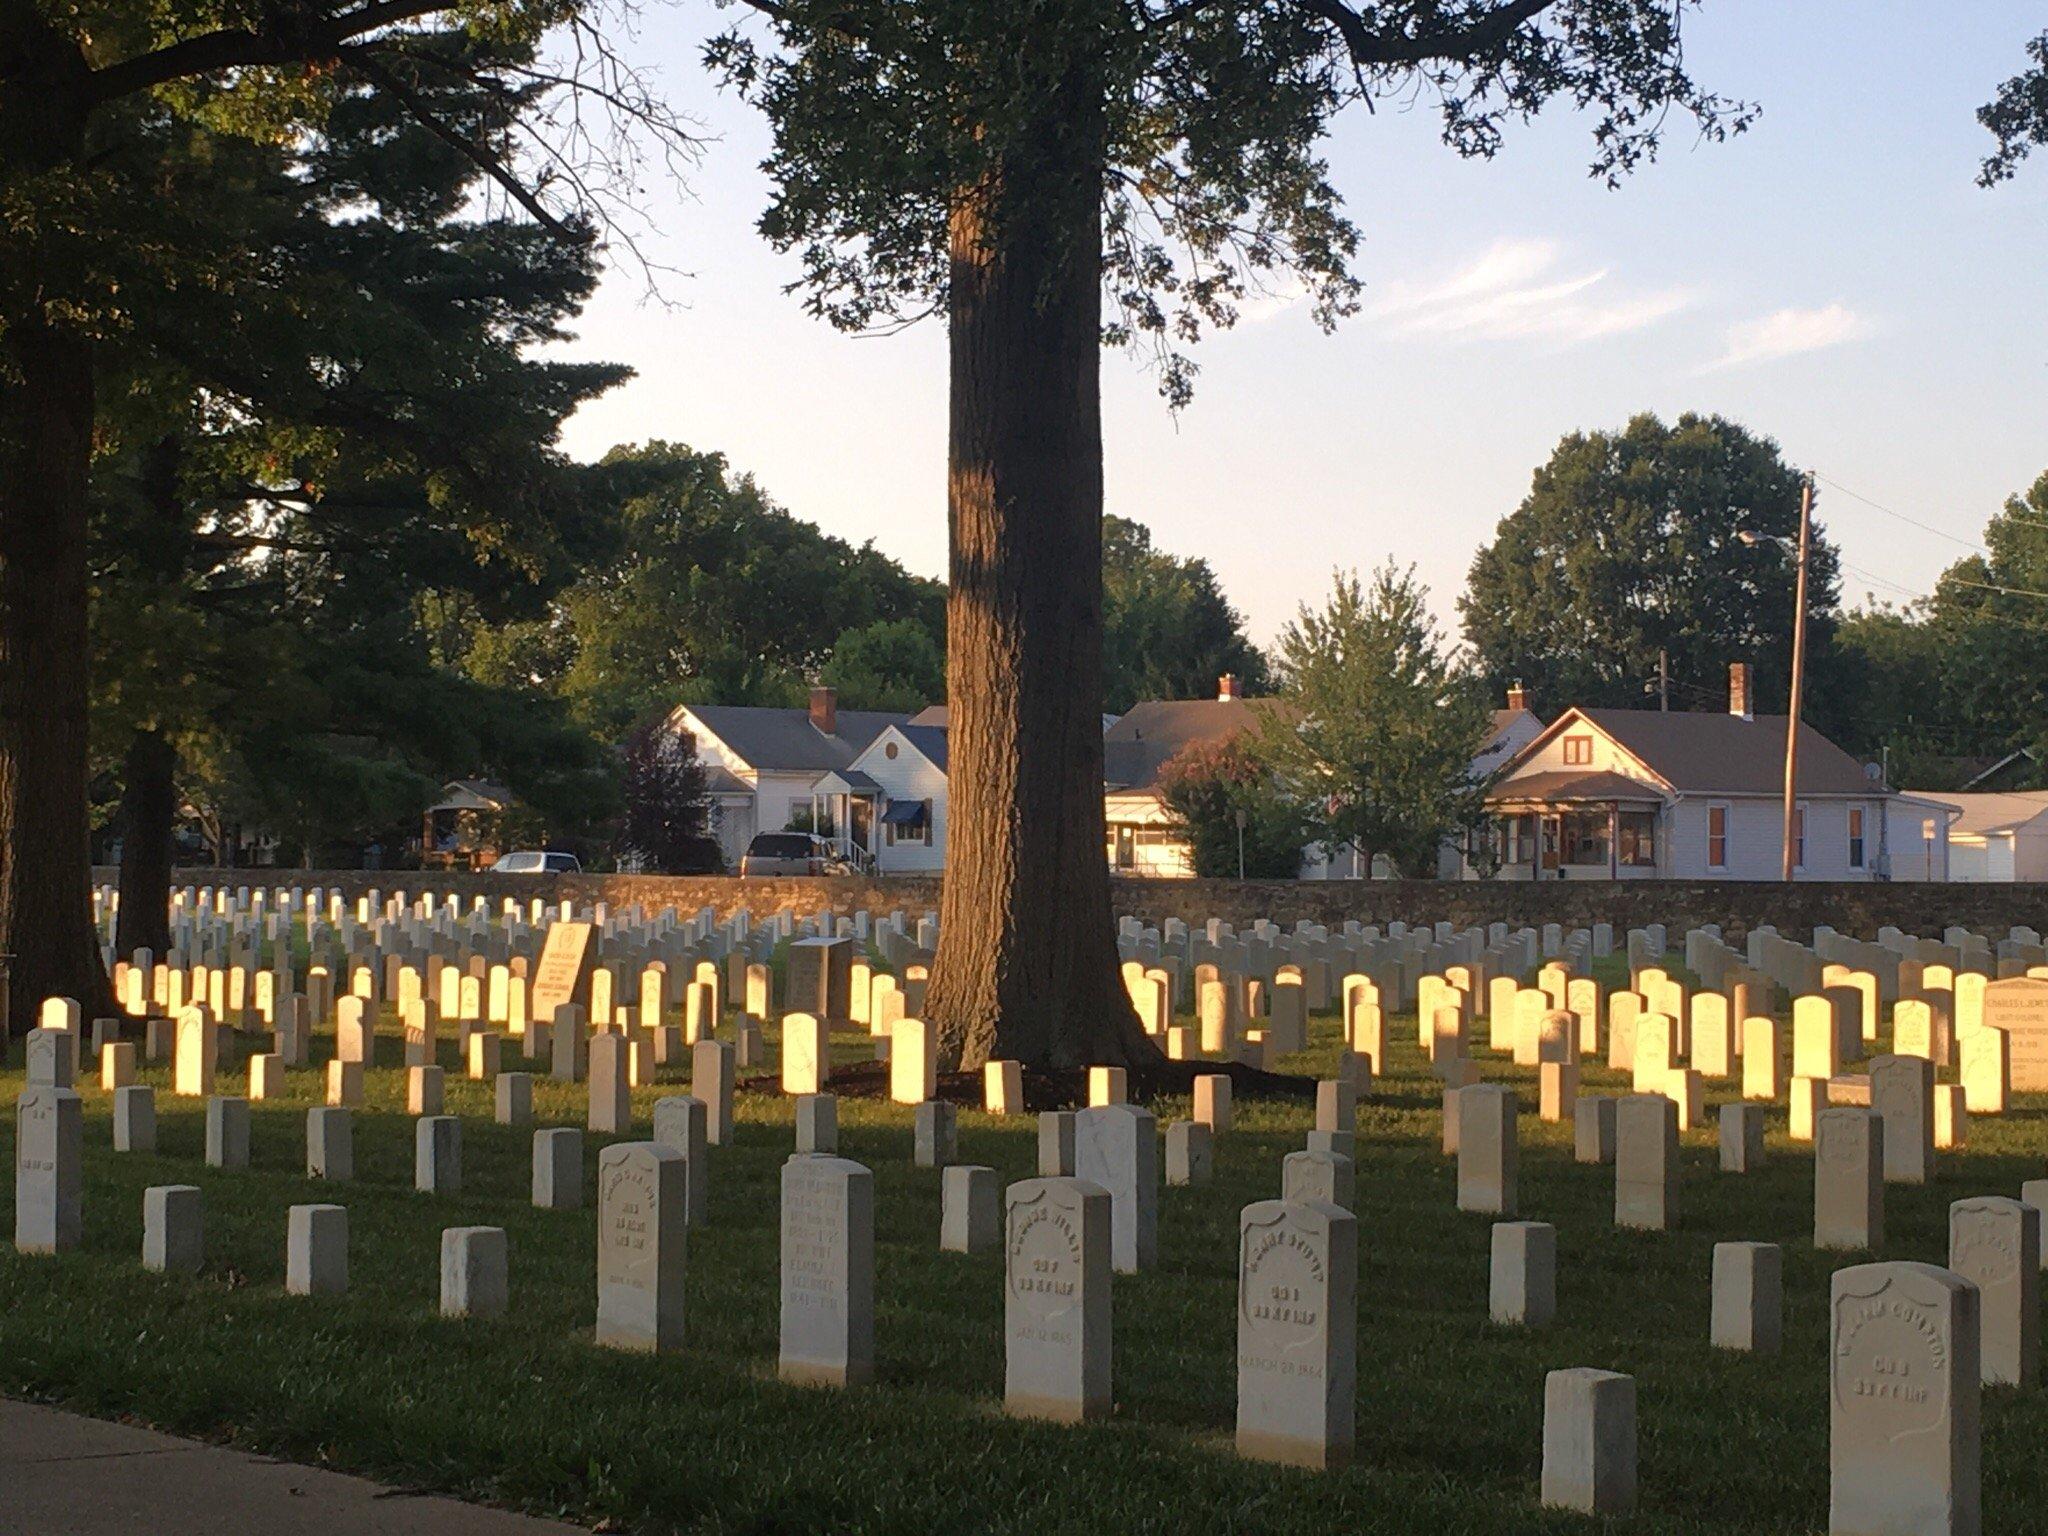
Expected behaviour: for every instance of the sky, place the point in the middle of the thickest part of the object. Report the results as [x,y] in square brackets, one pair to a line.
[1833,279]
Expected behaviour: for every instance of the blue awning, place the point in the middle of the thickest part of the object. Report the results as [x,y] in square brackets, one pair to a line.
[904,813]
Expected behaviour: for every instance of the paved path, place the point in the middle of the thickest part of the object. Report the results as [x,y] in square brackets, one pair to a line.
[62,1475]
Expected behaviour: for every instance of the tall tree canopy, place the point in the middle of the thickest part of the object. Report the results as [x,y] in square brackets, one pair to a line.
[286,468]
[1168,630]
[700,588]
[1059,175]
[1654,538]
[91,242]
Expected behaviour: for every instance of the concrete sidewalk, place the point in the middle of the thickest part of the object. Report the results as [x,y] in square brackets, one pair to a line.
[62,1475]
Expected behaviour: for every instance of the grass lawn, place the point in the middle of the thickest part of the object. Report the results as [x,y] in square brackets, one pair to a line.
[525,1411]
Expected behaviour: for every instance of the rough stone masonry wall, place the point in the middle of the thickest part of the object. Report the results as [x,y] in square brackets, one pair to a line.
[1859,908]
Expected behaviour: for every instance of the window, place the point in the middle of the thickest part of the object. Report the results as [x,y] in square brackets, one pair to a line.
[1513,840]
[1717,837]
[1856,837]
[1578,751]
[1585,838]
[907,821]
[1638,831]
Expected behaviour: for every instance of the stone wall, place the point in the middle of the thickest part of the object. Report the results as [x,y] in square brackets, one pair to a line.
[1856,908]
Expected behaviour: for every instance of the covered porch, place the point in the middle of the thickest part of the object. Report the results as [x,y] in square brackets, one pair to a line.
[1576,826]
[846,809]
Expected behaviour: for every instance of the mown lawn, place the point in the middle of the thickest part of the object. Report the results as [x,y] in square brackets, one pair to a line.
[525,1411]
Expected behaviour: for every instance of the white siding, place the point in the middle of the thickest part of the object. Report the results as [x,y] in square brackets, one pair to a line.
[1154,853]
[2030,853]
[909,775]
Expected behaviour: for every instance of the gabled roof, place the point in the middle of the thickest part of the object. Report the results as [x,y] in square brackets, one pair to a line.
[1139,744]
[931,714]
[772,740]
[928,739]
[1992,815]
[1697,752]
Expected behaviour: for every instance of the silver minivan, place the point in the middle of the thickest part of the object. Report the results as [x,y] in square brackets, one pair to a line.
[784,853]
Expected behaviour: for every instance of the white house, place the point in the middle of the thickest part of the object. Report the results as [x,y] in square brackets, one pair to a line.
[1995,837]
[766,764]
[902,777]
[1618,794]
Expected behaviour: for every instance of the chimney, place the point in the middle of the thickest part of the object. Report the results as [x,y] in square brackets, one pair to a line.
[1517,699]
[1226,689]
[1741,697]
[825,710]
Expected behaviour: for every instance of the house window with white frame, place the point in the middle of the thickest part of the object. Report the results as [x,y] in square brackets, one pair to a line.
[1717,837]
[1856,843]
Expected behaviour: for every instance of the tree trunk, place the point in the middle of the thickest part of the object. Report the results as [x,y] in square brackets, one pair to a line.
[149,810]
[1027,962]
[46,425]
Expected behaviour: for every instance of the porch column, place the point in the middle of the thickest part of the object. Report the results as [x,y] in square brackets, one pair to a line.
[1614,840]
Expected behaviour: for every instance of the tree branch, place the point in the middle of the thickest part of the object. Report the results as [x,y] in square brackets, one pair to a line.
[235,47]
[1368,49]
[366,64]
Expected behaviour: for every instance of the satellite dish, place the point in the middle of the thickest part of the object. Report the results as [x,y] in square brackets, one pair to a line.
[1874,772]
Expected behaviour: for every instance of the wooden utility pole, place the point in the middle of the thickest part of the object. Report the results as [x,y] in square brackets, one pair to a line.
[1798,672]
[1663,680]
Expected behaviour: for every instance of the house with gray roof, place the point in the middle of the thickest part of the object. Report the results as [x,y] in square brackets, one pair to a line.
[767,764]
[1619,794]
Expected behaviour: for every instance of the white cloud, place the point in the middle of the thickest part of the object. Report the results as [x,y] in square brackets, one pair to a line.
[1789,332]
[1521,290]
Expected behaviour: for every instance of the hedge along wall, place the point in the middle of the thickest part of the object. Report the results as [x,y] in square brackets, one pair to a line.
[1859,907]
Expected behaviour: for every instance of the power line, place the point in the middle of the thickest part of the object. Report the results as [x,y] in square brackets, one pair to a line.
[1941,533]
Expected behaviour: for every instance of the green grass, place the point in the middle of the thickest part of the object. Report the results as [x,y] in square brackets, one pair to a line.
[525,1411]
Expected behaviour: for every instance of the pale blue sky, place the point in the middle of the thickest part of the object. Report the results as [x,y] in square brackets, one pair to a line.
[1834,278]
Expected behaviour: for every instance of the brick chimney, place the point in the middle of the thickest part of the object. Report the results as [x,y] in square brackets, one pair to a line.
[1226,688]
[825,710]
[1516,698]
[1741,693]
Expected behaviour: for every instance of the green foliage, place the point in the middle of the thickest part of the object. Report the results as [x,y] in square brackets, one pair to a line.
[1168,631]
[304,461]
[702,590]
[1201,123]
[666,788]
[1379,727]
[1963,676]
[2017,116]
[1633,541]
[892,664]
[1207,786]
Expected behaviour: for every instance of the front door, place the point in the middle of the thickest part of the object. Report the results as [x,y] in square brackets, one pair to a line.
[1126,847]
[860,814]
[1553,836]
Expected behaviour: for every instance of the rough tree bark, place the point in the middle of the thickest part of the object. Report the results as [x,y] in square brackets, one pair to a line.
[149,809]
[1027,963]
[46,423]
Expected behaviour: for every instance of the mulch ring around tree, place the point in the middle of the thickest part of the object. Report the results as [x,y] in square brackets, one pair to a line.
[1064,1088]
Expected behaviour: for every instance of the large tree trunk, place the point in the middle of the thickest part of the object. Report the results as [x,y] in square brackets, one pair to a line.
[1027,963]
[149,811]
[46,424]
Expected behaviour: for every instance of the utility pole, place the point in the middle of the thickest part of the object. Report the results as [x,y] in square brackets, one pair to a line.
[1663,680]
[1798,671]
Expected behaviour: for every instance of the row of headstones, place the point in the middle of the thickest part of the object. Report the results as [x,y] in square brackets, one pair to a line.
[827,1310]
